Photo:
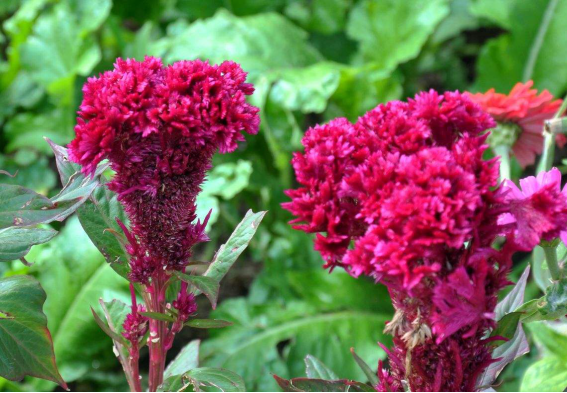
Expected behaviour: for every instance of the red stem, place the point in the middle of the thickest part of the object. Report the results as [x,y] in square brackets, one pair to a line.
[158,331]
[134,350]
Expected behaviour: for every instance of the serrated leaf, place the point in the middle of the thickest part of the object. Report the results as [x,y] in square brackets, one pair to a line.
[314,368]
[391,32]
[207,285]
[372,378]
[207,323]
[187,359]
[235,245]
[204,377]
[16,242]
[25,342]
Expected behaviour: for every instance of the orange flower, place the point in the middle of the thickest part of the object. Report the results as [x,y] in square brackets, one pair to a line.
[525,111]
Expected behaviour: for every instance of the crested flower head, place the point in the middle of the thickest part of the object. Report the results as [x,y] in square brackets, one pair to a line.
[405,196]
[520,116]
[135,325]
[159,127]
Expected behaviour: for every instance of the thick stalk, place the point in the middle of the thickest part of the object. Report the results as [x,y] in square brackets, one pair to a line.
[158,332]
[134,350]
[552,263]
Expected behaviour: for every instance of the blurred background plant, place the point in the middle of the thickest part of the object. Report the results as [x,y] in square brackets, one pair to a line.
[310,60]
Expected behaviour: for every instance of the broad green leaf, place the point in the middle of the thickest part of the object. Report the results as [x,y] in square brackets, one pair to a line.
[314,368]
[223,181]
[546,375]
[204,377]
[322,16]
[25,342]
[57,37]
[391,32]
[235,245]
[207,323]
[16,242]
[254,345]
[540,271]
[107,329]
[533,49]
[370,375]
[306,89]
[507,325]
[498,12]
[37,175]
[207,285]
[187,359]
[259,43]
[90,14]
[75,276]
[321,385]
[551,339]
[459,19]
[116,312]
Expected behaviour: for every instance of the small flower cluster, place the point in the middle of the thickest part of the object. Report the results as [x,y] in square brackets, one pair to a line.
[159,127]
[404,196]
[135,325]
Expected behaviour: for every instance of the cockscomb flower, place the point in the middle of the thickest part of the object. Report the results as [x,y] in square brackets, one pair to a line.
[135,325]
[159,127]
[520,116]
[405,196]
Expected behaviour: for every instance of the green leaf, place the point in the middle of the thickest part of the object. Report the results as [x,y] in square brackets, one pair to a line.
[498,12]
[546,375]
[57,37]
[314,368]
[321,385]
[322,16]
[207,323]
[207,285]
[158,316]
[305,89]
[540,271]
[391,32]
[551,339]
[25,342]
[259,43]
[273,337]
[372,378]
[521,55]
[556,299]
[20,206]
[16,242]
[235,245]
[75,276]
[204,377]
[187,359]
[509,327]
[90,14]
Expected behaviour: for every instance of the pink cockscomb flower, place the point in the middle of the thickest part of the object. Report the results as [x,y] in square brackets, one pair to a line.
[159,127]
[405,196]
[537,210]
[520,116]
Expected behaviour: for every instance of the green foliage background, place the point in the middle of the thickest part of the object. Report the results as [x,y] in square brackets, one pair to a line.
[310,60]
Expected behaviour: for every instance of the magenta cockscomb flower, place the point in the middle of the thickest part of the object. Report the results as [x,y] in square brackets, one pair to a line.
[405,196]
[135,325]
[159,127]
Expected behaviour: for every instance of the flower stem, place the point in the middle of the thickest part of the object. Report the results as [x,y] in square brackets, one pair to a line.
[552,263]
[504,152]
[158,332]
[134,350]
[546,160]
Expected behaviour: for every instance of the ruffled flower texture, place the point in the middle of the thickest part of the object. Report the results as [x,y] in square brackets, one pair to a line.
[526,109]
[404,196]
[159,127]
